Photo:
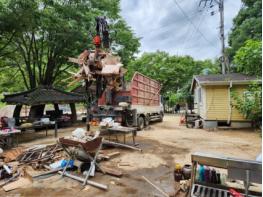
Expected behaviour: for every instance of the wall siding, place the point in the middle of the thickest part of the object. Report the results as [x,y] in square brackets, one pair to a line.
[217,107]
[217,103]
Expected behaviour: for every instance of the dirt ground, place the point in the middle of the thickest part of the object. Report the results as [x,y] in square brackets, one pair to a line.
[163,144]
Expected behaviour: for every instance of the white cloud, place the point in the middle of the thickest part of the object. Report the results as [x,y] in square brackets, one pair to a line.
[162,26]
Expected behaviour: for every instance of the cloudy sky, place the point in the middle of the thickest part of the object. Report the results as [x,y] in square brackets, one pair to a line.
[161,25]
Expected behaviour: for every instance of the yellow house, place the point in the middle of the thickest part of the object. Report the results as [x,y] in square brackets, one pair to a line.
[212,99]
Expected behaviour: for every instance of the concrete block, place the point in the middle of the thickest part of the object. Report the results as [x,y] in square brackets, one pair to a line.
[208,124]
[241,124]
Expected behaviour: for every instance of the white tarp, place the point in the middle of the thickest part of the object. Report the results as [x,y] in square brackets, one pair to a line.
[7,111]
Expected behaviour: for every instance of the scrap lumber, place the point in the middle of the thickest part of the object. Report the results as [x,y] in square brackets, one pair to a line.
[103,156]
[113,155]
[21,182]
[12,154]
[75,60]
[111,171]
[13,178]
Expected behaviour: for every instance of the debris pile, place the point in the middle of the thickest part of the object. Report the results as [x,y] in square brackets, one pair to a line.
[98,63]
[37,156]
[12,174]
[78,156]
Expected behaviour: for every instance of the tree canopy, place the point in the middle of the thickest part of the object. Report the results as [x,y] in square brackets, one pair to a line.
[250,104]
[248,58]
[246,25]
[174,72]
[37,36]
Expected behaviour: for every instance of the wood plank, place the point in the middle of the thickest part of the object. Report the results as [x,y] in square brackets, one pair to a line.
[21,182]
[12,154]
[113,154]
[111,171]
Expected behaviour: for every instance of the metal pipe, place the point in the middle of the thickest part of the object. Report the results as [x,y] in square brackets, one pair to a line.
[48,173]
[106,142]
[92,183]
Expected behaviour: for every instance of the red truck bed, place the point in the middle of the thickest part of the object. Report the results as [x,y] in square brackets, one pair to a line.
[142,91]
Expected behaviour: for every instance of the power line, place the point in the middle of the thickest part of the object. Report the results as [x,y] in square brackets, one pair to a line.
[223,58]
[198,26]
[189,19]
[151,31]
[186,35]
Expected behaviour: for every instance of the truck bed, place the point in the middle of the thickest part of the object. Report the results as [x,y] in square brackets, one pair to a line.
[142,90]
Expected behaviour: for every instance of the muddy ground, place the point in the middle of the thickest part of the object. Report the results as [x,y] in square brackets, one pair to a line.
[163,145]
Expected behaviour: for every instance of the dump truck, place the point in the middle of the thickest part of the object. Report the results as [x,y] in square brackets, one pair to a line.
[135,105]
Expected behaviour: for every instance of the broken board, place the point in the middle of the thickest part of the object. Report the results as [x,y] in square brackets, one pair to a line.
[111,171]
[21,182]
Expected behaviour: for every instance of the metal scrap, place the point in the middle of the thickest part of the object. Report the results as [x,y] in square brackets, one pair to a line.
[115,144]
[40,155]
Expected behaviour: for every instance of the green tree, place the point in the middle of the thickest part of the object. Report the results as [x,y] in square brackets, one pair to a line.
[247,25]
[49,31]
[248,58]
[173,72]
[250,104]
[124,42]
[10,80]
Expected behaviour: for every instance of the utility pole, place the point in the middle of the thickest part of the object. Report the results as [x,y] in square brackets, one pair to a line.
[220,3]
[222,36]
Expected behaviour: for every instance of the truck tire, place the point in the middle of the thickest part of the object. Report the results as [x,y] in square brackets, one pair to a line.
[140,124]
[146,121]
[161,117]
[129,120]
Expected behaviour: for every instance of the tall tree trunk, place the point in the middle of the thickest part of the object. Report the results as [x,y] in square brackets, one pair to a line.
[49,72]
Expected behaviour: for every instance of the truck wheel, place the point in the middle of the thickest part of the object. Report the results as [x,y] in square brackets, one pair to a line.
[146,121]
[128,117]
[140,123]
[161,117]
